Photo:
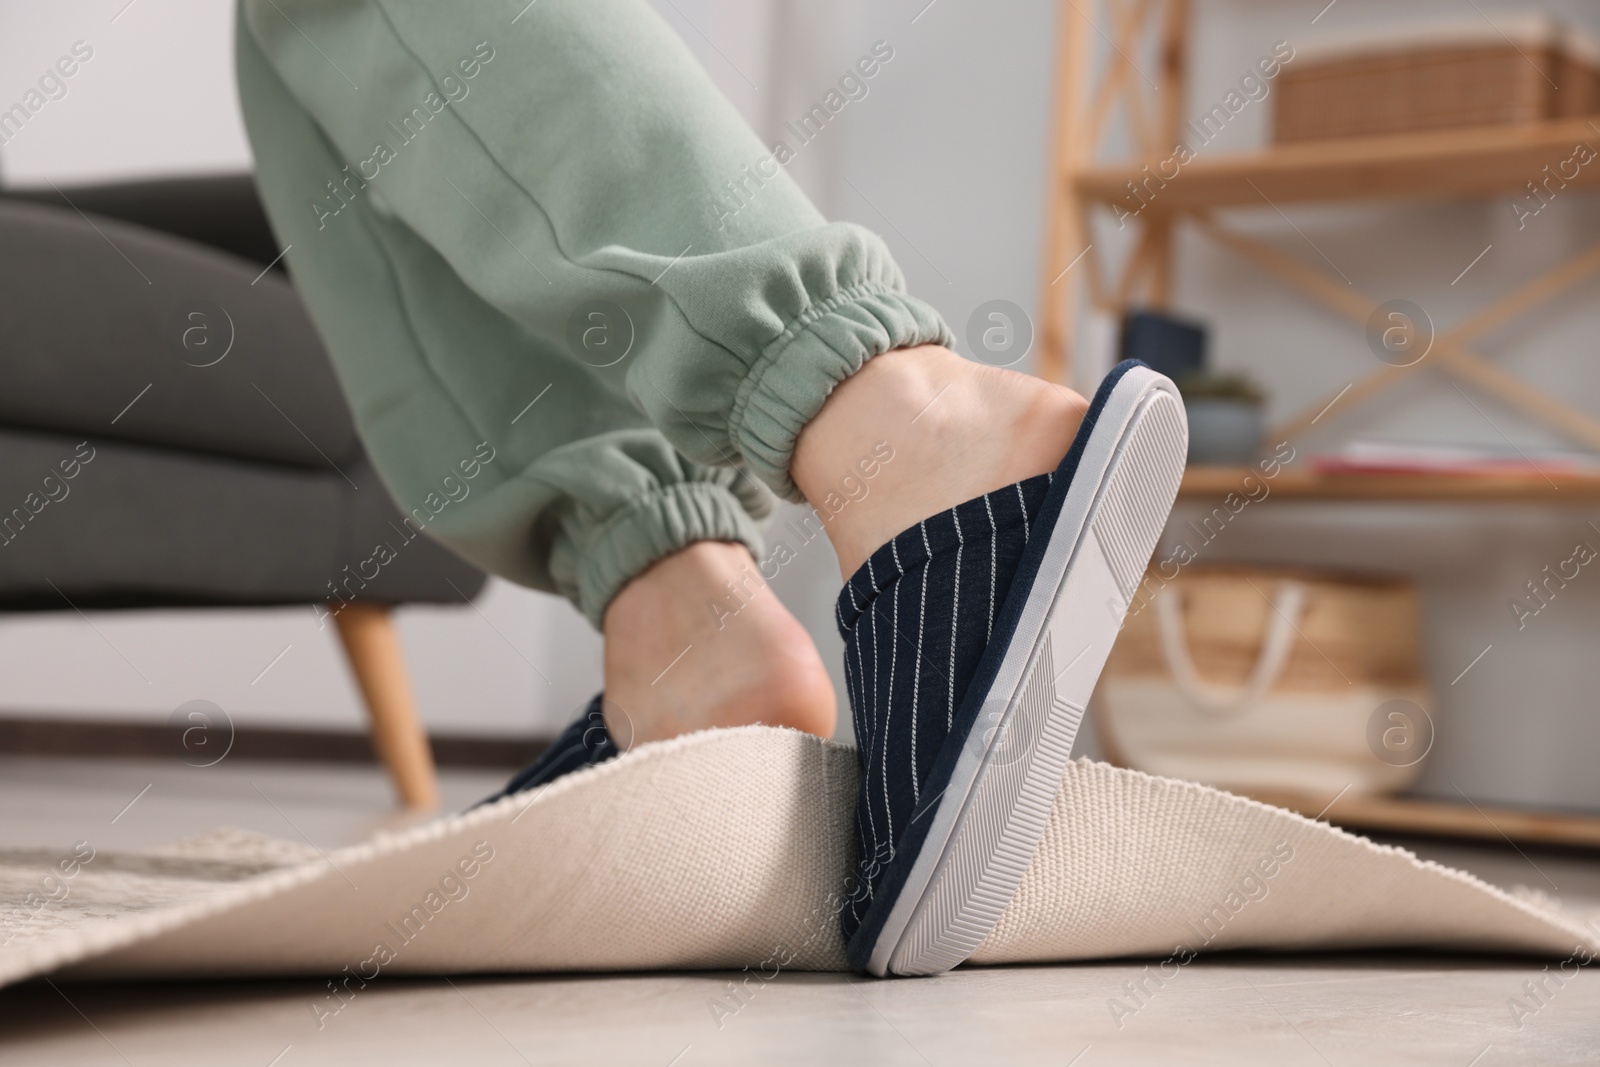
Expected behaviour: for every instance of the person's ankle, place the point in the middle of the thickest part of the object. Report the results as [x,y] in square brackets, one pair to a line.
[682,653]
[954,429]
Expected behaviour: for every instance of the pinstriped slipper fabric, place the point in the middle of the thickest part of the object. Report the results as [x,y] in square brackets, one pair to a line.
[972,643]
[909,656]
[584,743]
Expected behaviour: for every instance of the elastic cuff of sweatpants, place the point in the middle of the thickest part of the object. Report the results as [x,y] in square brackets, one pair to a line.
[653,526]
[791,381]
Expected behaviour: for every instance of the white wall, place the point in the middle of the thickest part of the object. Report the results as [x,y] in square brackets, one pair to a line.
[156,98]
[946,158]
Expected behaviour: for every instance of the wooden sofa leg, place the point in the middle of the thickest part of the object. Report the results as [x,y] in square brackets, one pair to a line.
[373,647]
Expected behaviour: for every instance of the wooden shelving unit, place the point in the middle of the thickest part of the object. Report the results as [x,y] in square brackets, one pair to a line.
[1149,194]
[1467,164]
[1148,98]
[1202,483]
[1405,815]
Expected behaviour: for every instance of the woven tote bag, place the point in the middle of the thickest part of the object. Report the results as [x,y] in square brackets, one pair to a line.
[1269,680]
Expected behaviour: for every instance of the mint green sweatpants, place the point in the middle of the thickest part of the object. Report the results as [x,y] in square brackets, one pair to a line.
[579,313]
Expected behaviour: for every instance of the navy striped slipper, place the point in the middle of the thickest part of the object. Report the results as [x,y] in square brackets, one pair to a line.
[583,743]
[973,641]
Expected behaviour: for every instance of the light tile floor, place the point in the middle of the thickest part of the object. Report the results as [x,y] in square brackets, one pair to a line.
[1239,1009]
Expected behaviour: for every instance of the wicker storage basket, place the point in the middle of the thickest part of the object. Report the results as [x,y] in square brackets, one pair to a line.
[1446,77]
[1269,680]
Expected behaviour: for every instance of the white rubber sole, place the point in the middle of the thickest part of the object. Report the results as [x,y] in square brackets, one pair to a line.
[988,824]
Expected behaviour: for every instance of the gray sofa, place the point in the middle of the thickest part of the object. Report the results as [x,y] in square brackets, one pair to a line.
[172,434]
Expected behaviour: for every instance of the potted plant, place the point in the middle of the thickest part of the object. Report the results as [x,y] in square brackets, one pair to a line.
[1226,417]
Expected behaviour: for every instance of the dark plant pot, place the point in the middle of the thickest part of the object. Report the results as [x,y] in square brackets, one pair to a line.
[1224,430]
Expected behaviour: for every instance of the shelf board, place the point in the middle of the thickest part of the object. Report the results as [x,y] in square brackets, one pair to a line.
[1200,483]
[1405,815]
[1443,164]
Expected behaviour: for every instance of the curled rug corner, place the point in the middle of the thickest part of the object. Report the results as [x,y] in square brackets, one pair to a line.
[731,848]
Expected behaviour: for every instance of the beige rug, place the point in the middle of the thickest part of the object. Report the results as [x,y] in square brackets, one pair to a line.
[729,849]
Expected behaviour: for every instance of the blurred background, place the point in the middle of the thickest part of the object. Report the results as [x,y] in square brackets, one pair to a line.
[956,157]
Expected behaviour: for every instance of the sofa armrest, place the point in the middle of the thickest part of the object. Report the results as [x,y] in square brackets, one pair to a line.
[223,212]
[117,331]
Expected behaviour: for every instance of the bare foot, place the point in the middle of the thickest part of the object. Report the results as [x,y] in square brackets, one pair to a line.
[682,654]
[958,429]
